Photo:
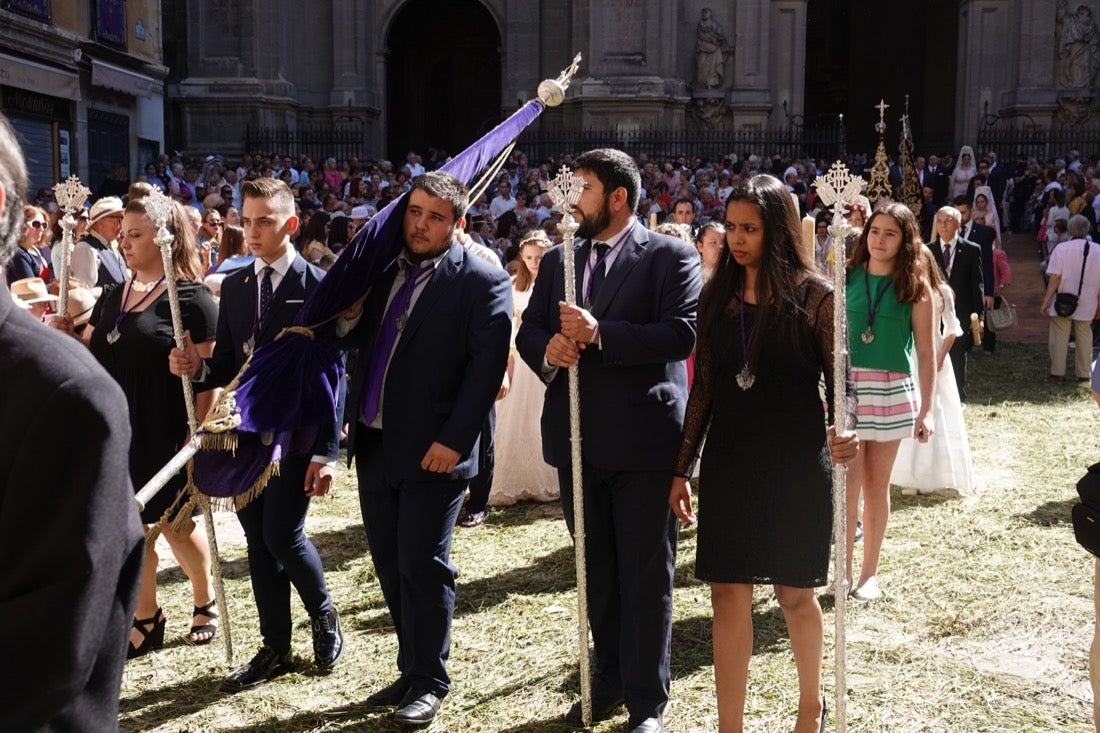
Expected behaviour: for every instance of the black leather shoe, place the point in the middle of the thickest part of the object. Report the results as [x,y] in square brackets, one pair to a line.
[417,710]
[390,695]
[602,709]
[328,640]
[267,664]
[649,725]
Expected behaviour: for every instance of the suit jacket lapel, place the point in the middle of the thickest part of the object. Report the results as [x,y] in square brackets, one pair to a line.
[625,261]
[581,253]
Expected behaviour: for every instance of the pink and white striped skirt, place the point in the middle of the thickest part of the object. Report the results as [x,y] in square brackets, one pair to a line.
[888,404]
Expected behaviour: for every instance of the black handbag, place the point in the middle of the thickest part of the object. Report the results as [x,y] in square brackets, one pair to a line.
[1066,303]
[1086,514]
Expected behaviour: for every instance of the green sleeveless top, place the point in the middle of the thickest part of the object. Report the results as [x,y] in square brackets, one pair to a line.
[892,348]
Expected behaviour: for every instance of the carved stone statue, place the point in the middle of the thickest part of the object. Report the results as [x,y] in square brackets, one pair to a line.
[711,47]
[1078,46]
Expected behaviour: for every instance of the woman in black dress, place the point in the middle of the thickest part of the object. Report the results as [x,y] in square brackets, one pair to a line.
[130,334]
[765,339]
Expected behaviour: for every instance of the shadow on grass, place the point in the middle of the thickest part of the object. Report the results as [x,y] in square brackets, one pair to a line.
[1050,514]
[335,547]
[343,718]
[167,703]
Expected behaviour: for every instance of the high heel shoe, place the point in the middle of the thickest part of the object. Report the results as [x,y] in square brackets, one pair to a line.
[207,628]
[152,632]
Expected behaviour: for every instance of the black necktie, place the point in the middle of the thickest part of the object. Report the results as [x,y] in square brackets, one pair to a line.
[599,272]
[966,232]
[267,292]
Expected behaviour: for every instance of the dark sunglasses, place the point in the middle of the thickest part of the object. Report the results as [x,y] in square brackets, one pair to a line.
[38,224]
[215,223]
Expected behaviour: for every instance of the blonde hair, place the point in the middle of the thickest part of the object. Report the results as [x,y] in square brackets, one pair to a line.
[272,189]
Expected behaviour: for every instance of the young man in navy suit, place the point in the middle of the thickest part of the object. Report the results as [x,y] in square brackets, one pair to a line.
[630,336]
[434,338]
[257,303]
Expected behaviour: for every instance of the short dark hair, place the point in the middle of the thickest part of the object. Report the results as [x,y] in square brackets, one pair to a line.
[13,180]
[613,168]
[270,188]
[444,186]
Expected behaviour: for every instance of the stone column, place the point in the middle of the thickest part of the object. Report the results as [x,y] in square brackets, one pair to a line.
[1032,89]
[751,98]
[787,58]
[983,61]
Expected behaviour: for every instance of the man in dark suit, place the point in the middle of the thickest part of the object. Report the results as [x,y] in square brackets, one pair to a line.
[961,263]
[938,179]
[637,325]
[985,237]
[71,543]
[434,337]
[257,303]
[998,180]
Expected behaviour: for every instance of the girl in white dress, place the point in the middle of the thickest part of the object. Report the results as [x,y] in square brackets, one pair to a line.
[942,465]
[520,471]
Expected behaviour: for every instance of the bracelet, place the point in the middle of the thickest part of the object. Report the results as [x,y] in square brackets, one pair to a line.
[684,476]
[595,334]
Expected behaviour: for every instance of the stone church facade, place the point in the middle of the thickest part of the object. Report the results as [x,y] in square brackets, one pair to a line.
[102,83]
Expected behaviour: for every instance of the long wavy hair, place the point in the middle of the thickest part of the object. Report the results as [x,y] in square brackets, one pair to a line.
[534,238]
[784,265]
[910,278]
[185,255]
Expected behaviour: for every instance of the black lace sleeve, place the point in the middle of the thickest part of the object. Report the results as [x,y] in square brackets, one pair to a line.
[697,417]
[820,309]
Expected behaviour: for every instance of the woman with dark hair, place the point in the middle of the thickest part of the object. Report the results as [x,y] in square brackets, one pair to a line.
[314,235]
[891,338]
[765,340]
[130,334]
[340,232]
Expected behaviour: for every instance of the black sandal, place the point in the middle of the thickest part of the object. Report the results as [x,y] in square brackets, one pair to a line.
[212,629]
[152,632]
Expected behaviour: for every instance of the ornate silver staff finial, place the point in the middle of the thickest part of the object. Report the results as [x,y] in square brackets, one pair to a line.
[552,91]
[565,189]
[881,107]
[838,185]
[70,196]
[159,208]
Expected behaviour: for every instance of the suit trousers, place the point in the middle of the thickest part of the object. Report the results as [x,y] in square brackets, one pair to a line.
[280,553]
[482,484]
[630,548]
[959,351]
[409,527]
[1058,345]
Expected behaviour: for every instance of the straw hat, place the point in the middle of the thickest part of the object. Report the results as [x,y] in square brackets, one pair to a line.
[106,206]
[81,302]
[32,290]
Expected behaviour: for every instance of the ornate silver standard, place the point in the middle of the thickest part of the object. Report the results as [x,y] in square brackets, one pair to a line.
[159,208]
[70,197]
[836,188]
[565,191]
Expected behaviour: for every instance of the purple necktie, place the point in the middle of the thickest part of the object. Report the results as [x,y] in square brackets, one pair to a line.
[946,256]
[387,337]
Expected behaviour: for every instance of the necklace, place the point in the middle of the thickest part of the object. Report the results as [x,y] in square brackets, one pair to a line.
[140,287]
[114,334]
[745,378]
[868,334]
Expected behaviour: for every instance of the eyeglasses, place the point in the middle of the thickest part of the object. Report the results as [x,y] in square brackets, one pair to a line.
[213,223]
[38,224]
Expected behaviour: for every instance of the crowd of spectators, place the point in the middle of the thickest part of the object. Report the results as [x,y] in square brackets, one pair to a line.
[1027,195]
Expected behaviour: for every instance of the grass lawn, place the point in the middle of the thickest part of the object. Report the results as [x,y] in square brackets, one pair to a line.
[984,624]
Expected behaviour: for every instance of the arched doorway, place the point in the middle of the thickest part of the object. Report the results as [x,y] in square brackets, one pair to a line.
[860,51]
[443,76]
